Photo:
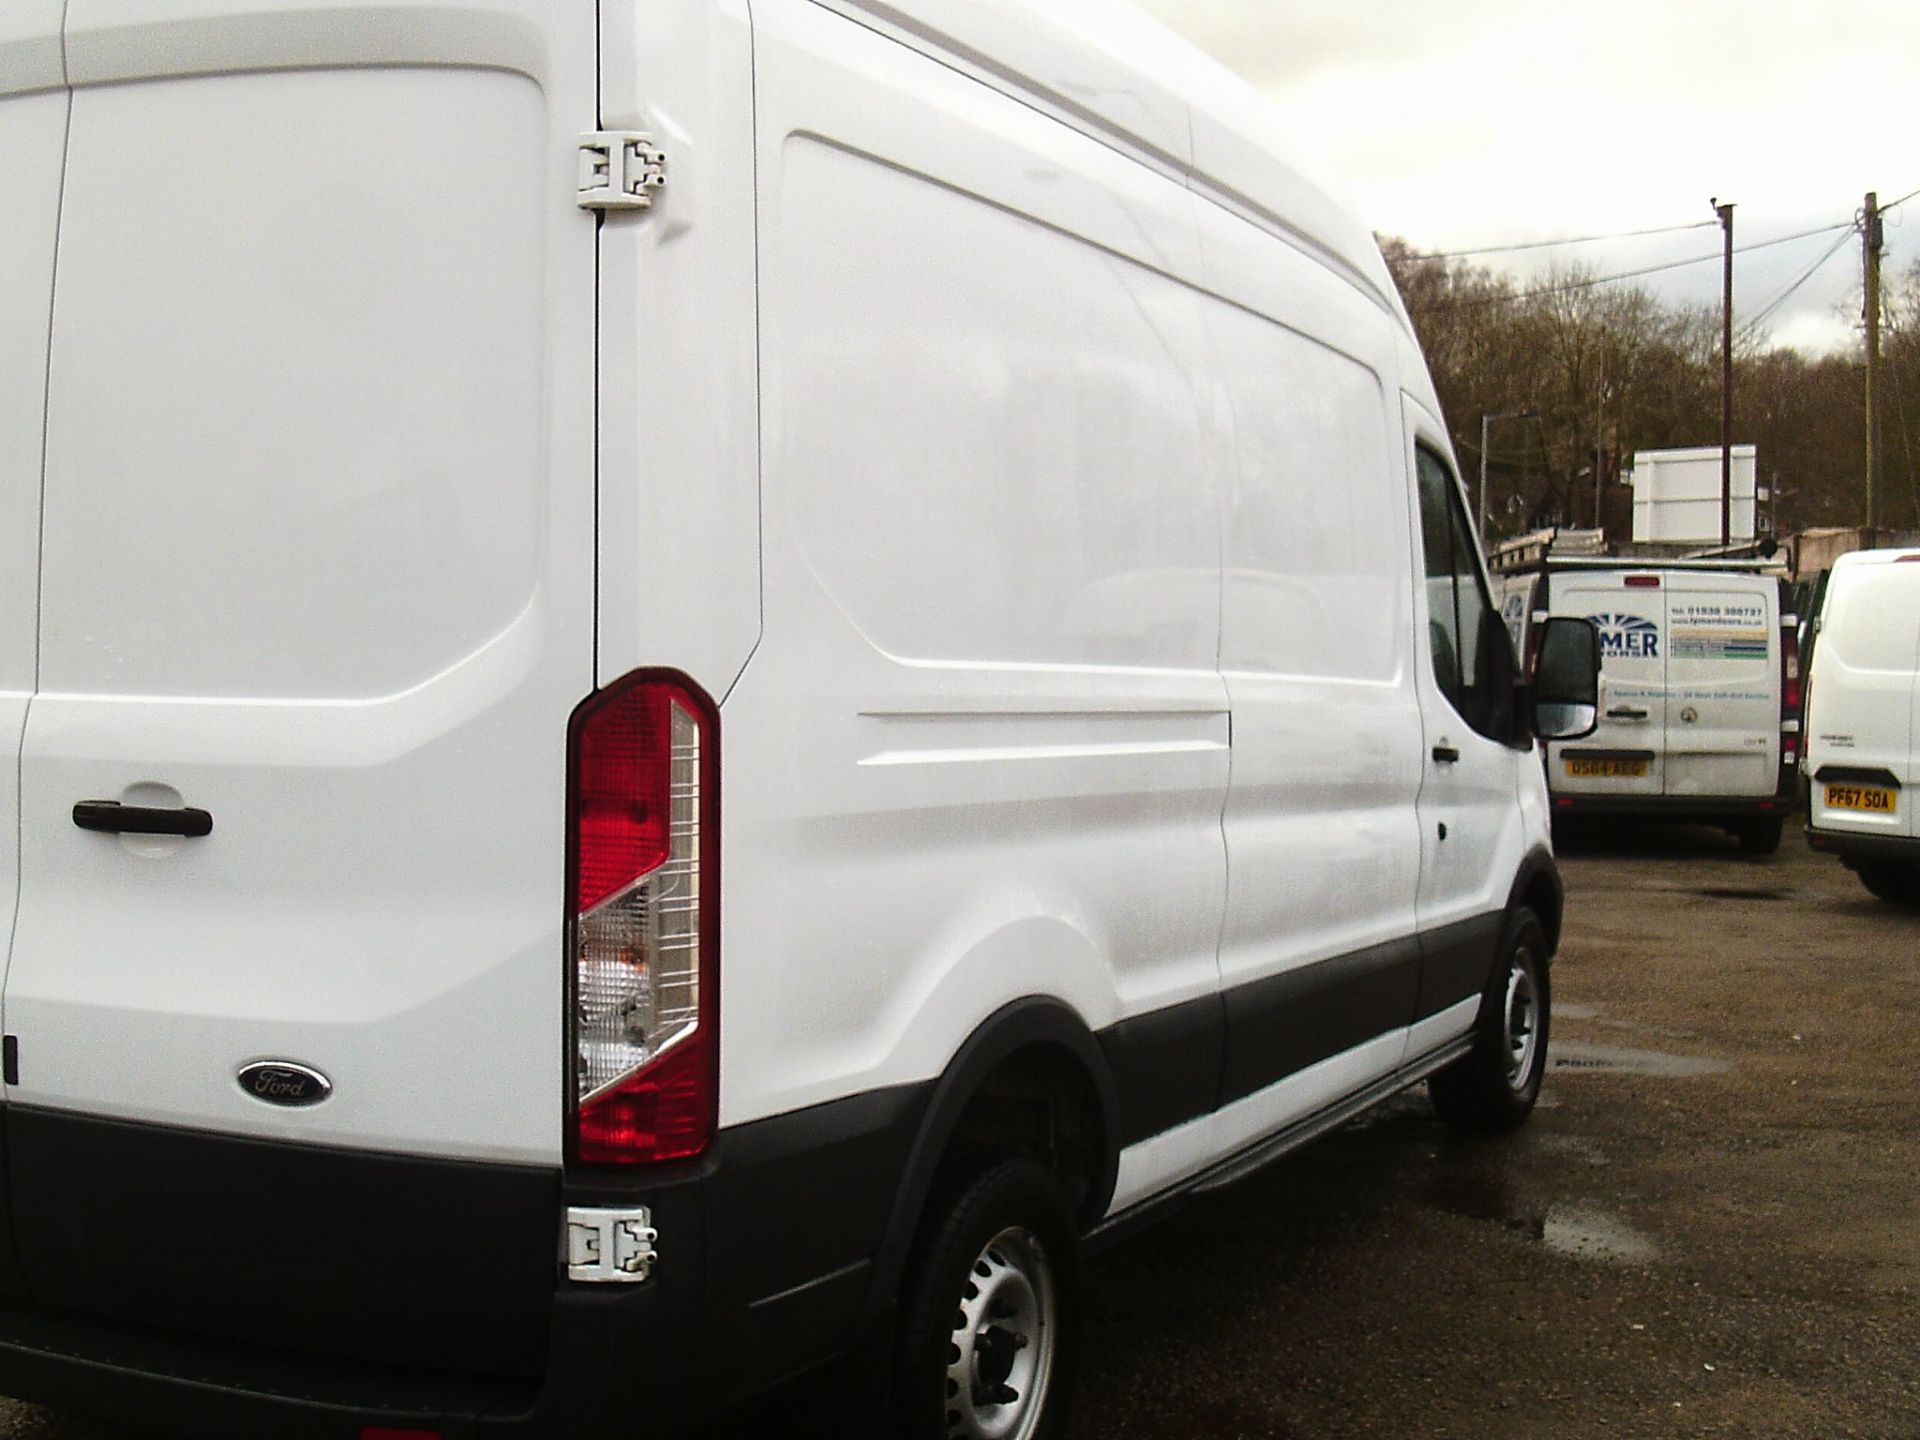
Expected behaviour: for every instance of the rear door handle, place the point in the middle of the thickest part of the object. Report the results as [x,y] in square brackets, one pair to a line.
[1446,754]
[117,819]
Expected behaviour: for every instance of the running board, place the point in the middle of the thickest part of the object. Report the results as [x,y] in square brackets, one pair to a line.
[1264,1152]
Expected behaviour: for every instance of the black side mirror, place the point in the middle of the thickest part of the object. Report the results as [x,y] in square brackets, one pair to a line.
[1566,680]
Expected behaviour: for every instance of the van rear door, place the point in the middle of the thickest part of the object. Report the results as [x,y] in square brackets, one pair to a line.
[1723,685]
[33,128]
[318,562]
[1625,755]
[1864,702]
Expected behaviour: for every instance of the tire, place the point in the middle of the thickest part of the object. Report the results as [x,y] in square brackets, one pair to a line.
[990,1326]
[1493,1087]
[1760,837]
[1891,881]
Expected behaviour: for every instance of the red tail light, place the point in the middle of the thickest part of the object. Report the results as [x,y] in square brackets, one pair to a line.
[643,762]
[1790,674]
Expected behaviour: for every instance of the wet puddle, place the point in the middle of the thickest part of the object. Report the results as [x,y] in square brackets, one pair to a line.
[1582,1234]
[1614,1060]
[1578,1232]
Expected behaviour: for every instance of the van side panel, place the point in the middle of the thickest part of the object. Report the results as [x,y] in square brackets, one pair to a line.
[1317,951]
[982,750]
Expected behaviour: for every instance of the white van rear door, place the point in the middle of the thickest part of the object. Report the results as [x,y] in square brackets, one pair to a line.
[1864,715]
[33,130]
[1723,685]
[1625,754]
[318,562]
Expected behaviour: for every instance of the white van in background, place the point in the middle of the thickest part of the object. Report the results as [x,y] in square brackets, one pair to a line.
[1700,691]
[692,686]
[1863,722]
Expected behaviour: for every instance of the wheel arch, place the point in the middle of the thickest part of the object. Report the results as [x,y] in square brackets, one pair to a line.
[1537,887]
[1037,1049]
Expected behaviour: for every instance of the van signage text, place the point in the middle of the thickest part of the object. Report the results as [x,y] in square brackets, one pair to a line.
[1627,637]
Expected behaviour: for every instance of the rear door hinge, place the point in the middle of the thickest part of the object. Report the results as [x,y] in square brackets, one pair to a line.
[610,1246]
[620,170]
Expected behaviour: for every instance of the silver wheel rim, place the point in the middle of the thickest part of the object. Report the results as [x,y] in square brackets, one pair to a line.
[1523,1020]
[1000,1361]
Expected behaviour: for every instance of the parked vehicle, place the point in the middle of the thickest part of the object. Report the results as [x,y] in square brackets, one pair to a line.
[693,686]
[1863,721]
[1700,690]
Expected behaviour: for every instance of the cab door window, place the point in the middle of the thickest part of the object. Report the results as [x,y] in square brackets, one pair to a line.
[1467,642]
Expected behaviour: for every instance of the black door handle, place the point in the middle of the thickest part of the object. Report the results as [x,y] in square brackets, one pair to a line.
[117,819]
[1446,754]
[1626,712]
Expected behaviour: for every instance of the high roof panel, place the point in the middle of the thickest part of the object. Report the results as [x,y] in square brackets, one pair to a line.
[1120,73]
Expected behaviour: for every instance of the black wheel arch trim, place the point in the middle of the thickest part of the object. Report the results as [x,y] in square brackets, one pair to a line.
[1537,876]
[1029,1023]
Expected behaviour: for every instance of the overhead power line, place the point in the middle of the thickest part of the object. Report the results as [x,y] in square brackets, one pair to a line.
[1752,326]
[1569,240]
[1589,282]
[1522,245]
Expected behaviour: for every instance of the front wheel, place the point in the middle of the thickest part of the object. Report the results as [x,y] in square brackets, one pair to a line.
[991,1319]
[1493,1087]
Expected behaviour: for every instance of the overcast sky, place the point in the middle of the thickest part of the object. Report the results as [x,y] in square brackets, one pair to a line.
[1463,123]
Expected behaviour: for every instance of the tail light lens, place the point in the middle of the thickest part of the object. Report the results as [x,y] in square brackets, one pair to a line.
[642,799]
[1790,674]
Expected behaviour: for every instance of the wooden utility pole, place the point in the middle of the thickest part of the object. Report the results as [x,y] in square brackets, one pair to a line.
[1725,212]
[1873,242]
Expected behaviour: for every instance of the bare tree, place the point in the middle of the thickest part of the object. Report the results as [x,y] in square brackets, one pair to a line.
[1611,369]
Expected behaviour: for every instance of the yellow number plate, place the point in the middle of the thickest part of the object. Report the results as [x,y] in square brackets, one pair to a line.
[1587,767]
[1860,797]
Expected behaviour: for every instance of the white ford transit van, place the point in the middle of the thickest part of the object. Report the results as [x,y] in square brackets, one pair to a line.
[691,685]
[1700,713]
[1863,721]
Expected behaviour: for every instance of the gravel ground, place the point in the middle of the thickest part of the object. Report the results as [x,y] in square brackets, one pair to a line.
[1711,1227]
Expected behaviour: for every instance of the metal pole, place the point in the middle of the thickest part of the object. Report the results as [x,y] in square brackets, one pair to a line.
[1873,238]
[1725,212]
[1485,421]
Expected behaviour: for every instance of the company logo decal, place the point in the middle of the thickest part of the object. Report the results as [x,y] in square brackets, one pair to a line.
[1627,637]
[281,1082]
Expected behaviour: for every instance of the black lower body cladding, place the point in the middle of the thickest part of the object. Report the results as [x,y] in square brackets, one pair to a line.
[218,1286]
[214,1286]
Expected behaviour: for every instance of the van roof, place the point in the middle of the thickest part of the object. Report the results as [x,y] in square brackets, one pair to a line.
[1875,557]
[1769,569]
[1116,71]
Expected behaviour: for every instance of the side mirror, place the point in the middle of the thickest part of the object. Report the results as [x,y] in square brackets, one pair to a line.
[1566,680]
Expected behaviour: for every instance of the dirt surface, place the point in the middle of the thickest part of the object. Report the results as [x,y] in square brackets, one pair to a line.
[1711,1227]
